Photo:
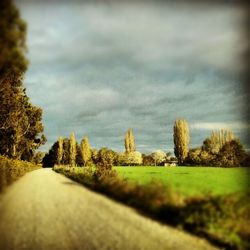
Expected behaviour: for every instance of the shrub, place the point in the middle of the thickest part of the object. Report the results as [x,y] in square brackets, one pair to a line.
[131,159]
[11,170]
[231,154]
[159,157]
[106,158]
[147,160]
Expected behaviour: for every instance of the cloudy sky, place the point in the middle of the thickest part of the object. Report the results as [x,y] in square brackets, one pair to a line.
[99,68]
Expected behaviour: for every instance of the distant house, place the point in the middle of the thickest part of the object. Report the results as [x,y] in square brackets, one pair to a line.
[171,163]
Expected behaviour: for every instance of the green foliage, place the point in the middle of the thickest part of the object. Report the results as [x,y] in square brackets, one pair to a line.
[11,170]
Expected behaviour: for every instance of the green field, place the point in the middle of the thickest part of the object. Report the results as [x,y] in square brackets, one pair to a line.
[192,180]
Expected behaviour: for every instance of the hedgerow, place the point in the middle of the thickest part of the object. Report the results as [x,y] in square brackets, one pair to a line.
[11,170]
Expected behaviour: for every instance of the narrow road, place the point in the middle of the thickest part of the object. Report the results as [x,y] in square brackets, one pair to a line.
[45,210]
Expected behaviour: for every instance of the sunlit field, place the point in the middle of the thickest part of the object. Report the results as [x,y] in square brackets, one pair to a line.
[191,180]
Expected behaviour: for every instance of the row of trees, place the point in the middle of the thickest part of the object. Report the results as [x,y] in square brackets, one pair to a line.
[220,149]
[21,128]
[68,152]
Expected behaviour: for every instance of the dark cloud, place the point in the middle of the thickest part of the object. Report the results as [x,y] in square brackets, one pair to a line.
[99,69]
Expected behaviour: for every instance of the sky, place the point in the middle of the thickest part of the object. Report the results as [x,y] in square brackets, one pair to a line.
[100,68]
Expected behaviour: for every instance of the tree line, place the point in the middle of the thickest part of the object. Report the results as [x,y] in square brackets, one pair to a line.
[67,151]
[222,148]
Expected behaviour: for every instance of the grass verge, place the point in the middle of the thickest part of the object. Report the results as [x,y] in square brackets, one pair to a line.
[11,170]
[223,220]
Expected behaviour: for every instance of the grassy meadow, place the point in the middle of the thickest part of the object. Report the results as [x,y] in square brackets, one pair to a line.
[191,181]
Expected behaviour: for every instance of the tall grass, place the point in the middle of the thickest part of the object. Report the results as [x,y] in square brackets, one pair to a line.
[11,170]
[223,220]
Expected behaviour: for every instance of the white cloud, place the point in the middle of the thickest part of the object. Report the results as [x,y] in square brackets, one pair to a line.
[220,125]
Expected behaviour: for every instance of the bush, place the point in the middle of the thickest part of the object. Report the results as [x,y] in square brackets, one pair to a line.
[11,170]
[130,159]
[106,158]
[147,160]
[231,154]
[159,157]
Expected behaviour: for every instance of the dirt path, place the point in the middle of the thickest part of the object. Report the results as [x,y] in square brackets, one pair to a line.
[45,210]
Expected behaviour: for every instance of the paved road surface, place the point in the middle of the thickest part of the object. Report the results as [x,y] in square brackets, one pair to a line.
[46,211]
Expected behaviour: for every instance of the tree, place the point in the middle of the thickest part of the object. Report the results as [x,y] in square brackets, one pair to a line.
[13,38]
[79,160]
[20,122]
[72,150]
[85,150]
[147,160]
[129,141]
[38,157]
[94,155]
[159,157]
[60,151]
[131,159]
[66,152]
[106,158]
[181,139]
[232,154]
[221,149]
[50,158]
[217,140]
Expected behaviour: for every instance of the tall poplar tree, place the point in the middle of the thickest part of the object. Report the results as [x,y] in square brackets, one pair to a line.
[129,141]
[60,151]
[72,149]
[181,139]
[85,150]
[219,138]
